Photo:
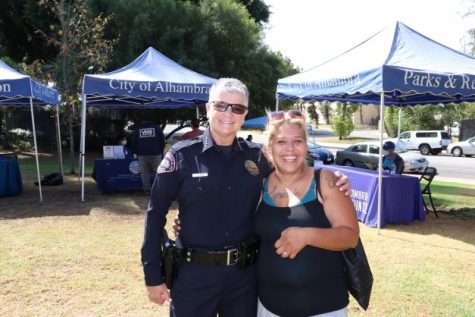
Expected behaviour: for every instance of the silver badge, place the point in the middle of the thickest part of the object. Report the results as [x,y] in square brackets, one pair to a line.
[251,167]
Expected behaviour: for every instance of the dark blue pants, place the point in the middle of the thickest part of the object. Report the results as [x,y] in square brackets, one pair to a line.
[207,290]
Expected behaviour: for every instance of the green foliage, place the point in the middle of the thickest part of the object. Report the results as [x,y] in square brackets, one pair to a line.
[258,10]
[430,117]
[342,126]
[216,38]
[62,40]
[19,39]
[18,140]
[391,117]
[342,122]
[79,39]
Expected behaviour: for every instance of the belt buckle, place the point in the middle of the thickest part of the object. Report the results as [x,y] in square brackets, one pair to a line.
[229,260]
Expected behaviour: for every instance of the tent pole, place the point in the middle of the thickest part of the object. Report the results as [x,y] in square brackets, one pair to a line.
[277,105]
[380,161]
[197,112]
[399,125]
[36,149]
[82,145]
[60,151]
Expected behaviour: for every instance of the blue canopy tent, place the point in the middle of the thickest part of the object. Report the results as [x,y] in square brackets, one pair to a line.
[20,90]
[396,66]
[256,123]
[150,81]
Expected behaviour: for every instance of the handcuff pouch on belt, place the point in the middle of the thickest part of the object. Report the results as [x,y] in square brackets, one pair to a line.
[170,260]
[247,252]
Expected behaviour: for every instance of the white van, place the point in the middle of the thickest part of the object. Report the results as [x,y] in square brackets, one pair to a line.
[427,142]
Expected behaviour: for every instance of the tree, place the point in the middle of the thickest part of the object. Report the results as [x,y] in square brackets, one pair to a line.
[312,111]
[343,120]
[81,48]
[18,22]
[258,10]
[391,116]
[218,38]
[469,39]
[325,109]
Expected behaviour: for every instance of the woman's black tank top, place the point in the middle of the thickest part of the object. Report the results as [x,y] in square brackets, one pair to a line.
[312,283]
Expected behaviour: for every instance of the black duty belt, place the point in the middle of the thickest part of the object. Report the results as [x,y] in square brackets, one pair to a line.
[242,255]
[226,257]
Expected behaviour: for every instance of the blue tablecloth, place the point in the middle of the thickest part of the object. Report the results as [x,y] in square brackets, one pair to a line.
[401,196]
[117,175]
[10,178]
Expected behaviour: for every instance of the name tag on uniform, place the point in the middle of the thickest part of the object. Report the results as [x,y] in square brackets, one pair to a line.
[199,175]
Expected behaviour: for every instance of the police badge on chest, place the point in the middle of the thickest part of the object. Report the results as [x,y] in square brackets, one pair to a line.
[251,167]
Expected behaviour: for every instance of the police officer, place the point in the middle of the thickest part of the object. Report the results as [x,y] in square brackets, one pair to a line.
[216,180]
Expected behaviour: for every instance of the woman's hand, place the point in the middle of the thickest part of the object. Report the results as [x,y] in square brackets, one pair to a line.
[343,183]
[292,240]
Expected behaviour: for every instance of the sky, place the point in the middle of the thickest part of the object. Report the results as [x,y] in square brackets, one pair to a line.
[310,32]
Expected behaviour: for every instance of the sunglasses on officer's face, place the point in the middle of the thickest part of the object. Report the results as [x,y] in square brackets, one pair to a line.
[222,106]
[281,115]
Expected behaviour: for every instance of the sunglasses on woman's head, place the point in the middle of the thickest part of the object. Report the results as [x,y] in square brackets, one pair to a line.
[222,106]
[281,115]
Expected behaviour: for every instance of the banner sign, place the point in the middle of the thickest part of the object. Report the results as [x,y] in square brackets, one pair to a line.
[406,80]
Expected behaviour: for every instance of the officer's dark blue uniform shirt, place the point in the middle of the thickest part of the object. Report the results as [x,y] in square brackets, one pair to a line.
[217,197]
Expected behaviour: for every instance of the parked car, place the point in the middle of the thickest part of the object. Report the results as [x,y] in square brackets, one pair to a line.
[317,152]
[427,142]
[366,155]
[466,148]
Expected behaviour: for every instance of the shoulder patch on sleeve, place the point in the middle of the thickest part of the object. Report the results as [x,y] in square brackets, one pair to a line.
[168,164]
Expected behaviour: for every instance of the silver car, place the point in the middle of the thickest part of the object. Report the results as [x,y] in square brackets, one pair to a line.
[466,148]
[366,155]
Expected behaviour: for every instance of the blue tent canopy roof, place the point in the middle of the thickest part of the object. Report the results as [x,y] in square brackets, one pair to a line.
[407,66]
[16,89]
[151,80]
[256,123]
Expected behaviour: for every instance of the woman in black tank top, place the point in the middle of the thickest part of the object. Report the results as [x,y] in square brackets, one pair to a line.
[300,268]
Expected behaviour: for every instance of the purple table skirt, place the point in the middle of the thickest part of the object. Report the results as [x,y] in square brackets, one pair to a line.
[401,196]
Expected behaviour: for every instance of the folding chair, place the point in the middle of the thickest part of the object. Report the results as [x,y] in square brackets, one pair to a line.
[428,175]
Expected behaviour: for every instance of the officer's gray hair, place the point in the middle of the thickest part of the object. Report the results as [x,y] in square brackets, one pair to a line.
[231,85]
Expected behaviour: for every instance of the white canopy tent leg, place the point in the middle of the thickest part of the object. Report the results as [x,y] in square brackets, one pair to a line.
[380,163]
[399,125]
[197,112]
[60,151]
[277,105]
[82,154]
[36,149]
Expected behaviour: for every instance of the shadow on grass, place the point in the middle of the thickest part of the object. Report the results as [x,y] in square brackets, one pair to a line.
[453,224]
[65,200]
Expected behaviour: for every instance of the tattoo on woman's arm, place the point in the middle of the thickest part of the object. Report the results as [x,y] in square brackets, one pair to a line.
[331,180]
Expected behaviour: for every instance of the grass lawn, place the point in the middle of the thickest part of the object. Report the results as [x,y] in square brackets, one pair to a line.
[70,258]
